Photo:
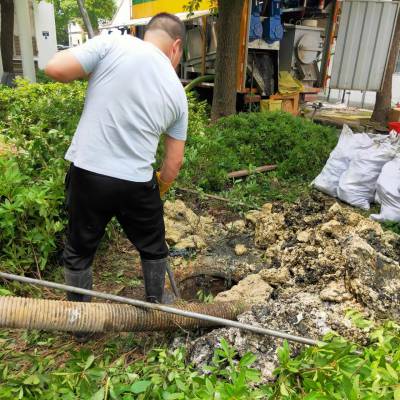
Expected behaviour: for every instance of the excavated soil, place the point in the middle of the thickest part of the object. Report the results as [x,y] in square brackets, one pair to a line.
[299,267]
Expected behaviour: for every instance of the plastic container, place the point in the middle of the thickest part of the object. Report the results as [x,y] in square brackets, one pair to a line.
[271,105]
[394,126]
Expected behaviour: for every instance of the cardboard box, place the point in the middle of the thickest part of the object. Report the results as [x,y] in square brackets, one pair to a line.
[290,102]
[394,115]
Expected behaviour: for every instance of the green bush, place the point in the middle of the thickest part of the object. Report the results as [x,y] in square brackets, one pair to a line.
[337,370]
[299,148]
[40,120]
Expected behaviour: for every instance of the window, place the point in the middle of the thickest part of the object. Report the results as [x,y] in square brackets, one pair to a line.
[397,70]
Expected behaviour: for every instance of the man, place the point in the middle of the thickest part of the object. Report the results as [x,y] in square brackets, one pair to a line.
[133,96]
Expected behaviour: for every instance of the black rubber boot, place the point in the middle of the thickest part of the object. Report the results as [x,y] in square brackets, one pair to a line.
[82,279]
[154,279]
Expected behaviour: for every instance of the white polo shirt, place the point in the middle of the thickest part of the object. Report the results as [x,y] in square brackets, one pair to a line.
[134,95]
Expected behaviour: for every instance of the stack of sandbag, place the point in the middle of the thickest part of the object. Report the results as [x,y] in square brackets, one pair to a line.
[357,185]
[339,160]
[388,192]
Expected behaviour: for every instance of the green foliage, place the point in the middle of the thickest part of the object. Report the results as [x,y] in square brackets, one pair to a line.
[245,141]
[337,370]
[39,119]
[68,11]
[204,297]
[392,226]
[163,374]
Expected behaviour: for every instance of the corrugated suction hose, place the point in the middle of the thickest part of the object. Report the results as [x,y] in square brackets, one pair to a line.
[28,313]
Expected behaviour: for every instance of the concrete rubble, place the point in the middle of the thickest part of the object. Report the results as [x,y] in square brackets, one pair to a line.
[312,262]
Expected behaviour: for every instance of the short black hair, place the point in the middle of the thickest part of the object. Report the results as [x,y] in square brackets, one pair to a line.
[170,24]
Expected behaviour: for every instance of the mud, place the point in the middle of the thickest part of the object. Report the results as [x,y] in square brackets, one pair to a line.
[305,266]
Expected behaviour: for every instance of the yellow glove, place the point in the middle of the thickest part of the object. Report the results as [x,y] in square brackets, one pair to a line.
[163,186]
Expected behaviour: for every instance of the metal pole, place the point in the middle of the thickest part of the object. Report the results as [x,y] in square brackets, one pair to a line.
[163,308]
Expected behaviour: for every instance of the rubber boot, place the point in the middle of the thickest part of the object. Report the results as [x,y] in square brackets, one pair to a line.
[154,279]
[82,279]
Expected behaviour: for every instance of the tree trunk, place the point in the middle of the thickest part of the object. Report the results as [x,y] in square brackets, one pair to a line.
[383,102]
[228,34]
[86,19]
[7,34]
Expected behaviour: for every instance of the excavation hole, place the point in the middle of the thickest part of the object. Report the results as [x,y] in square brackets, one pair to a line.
[203,286]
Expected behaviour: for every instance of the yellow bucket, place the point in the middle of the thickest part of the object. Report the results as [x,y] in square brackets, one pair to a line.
[271,105]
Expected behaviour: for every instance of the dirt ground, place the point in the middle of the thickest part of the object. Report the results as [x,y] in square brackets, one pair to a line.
[299,268]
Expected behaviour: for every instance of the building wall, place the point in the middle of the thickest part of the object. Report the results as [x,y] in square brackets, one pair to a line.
[45,29]
[76,35]
[43,32]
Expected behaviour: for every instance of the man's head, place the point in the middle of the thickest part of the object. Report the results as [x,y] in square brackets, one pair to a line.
[167,32]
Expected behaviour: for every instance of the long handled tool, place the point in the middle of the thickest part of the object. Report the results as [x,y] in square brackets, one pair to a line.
[172,281]
[163,308]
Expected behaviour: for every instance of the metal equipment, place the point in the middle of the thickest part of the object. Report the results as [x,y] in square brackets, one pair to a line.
[273,30]
[301,47]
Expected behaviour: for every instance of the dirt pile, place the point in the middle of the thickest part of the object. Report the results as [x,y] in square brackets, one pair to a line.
[184,229]
[318,259]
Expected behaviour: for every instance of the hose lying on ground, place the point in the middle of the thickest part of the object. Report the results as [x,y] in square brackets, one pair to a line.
[19,312]
[211,319]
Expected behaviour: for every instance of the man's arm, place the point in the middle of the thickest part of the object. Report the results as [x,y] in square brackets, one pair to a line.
[64,67]
[173,159]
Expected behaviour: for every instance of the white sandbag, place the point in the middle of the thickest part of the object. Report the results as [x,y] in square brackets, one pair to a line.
[388,191]
[348,145]
[357,185]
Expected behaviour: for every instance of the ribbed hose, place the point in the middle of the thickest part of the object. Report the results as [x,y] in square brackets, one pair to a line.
[19,312]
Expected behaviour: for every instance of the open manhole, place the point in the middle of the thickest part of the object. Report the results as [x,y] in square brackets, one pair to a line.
[200,286]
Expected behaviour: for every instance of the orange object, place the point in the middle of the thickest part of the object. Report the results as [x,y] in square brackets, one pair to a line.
[163,186]
[290,102]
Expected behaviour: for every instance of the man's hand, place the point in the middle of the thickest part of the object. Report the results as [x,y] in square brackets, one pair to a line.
[163,186]
[174,150]
[64,67]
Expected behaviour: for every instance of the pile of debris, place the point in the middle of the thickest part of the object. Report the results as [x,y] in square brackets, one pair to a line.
[317,259]
[184,229]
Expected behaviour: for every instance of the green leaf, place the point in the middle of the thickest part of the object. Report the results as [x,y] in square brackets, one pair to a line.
[140,386]
[396,394]
[89,361]
[247,360]
[283,389]
[32,380]
[392,372]
[99,395]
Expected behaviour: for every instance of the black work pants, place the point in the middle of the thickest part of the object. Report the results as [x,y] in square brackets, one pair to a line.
[93,199]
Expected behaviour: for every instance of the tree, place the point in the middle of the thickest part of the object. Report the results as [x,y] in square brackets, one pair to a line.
[67,11]
[85,18]
[383,102]
[228,35]
[7,34]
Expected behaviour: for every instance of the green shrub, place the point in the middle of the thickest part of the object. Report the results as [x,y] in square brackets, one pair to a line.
[299,148]
[40,120]
[337,370]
